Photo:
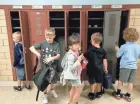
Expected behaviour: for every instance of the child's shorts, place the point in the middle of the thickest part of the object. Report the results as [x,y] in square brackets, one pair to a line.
[76,82]
[20,73]
[127,75]
[97,79]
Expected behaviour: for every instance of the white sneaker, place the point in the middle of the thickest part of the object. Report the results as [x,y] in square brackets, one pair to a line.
[53,93]
[45,99]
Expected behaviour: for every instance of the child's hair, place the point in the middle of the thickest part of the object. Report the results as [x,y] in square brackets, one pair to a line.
[50,30]
[97,37]
[18,34]
[73,39]
[130,35]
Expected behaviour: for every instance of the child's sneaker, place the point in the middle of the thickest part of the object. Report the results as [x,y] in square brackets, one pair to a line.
[91,96]
[98,95]
[17,88]
[45,99]
[54,93]
[117,95]
[127,97]
[28,87]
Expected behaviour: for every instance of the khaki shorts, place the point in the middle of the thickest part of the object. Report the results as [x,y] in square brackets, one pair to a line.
[127,75]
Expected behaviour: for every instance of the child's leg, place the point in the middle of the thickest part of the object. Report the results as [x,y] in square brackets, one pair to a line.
[131,80]
[130,88]
[91,94]
[99,85]
[76,95]
[120,86]
[72,93]
[19,82]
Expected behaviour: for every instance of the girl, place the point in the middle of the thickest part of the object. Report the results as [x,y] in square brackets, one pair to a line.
[71,64]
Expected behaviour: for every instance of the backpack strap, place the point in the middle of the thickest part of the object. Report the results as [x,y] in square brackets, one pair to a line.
[37,95]
[34,72]
[35,67]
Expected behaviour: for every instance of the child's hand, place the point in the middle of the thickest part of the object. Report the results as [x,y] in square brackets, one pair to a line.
[47,60]
[117,48]
[80,58]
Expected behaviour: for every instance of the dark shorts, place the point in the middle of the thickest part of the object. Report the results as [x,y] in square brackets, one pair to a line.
[20,73]
[97,79]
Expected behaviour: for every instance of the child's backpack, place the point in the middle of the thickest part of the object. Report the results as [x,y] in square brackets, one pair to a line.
[107,81]
[40,79]
[21,61]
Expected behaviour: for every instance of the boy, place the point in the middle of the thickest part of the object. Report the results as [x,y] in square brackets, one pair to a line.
[18,56]
[129,54]
[97,64]
[52,54]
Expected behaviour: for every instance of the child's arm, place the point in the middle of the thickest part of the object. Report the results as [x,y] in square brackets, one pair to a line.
[119,51]
[105,65]
[105,62]
[33,50]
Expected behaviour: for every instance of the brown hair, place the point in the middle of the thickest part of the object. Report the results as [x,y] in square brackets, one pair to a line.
[50,30]
[73,39]
[130,35]
[97,37]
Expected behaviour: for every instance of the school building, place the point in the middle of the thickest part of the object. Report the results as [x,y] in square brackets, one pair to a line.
[85,18]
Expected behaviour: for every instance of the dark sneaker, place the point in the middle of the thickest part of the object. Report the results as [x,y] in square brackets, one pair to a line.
[127,98]
[91,96]
[17,88]
[28,87]
[117,96]
[98,95]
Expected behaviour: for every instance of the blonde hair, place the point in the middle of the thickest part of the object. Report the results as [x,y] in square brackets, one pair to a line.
[17,35]
[130,35]
[97,37]
[50,30]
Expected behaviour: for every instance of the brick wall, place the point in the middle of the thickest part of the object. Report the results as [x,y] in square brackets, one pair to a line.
[5,62]
[135,22]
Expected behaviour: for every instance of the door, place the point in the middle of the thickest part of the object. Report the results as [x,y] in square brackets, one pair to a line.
[111,36]
[38,22]
[26,44]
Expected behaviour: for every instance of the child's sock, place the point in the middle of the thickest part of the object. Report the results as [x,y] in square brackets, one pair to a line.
[118,91]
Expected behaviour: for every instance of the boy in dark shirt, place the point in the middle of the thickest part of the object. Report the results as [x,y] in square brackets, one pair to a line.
[97,64]
[49,54]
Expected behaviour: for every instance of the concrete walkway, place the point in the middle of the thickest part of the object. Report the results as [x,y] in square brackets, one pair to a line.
[9,96]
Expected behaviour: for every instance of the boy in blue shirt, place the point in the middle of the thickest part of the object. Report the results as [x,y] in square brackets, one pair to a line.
[18,50]
[129,53]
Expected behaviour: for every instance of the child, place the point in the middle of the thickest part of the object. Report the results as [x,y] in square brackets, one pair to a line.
[49,54]
[129,54]
[18,57]
[71,64]
[97,64]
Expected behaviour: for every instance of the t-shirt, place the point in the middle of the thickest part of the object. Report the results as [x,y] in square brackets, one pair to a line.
[129,53]
[95,58]
[48,50]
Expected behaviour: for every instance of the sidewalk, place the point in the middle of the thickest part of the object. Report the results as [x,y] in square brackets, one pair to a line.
[9,96]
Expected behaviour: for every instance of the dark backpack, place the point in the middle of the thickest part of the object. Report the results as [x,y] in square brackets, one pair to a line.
[107,81]
[40,79]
